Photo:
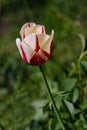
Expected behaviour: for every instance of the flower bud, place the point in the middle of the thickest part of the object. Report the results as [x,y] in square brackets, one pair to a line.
[35,44]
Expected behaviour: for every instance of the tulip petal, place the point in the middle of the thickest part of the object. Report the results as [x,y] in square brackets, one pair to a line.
[25,51]
[30,40]
[24,55]
[44,55]
[26,26]
[46,46]
[35,47]
[42,39]
[37,60]
[37,44]
[36,29]
[30,28]
[43,29]
[39,29]
[30,25]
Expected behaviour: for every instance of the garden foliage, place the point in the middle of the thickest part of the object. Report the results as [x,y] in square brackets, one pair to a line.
[24,102]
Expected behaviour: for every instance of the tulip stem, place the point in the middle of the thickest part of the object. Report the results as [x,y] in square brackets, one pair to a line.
[53,101]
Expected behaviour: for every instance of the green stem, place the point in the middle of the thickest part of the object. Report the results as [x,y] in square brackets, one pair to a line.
[52,99]
[78,64]
[82,55]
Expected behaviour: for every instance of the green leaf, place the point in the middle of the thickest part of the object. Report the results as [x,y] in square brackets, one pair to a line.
[82,41]
[70,106]
[53,124]
[75,96]
[84,64]
[67,84]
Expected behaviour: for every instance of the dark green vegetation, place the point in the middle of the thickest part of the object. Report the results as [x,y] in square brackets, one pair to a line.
[22,90]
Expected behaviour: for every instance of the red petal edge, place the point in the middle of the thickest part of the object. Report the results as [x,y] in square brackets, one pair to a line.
[37,60]
[24,54]
[43,31]
[37,44]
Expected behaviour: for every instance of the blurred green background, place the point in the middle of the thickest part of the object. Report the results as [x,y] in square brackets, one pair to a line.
[22,90]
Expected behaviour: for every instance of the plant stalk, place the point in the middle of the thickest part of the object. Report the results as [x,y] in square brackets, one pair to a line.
[53,101]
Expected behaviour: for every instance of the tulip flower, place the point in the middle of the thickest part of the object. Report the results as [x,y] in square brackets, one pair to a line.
[34,45]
